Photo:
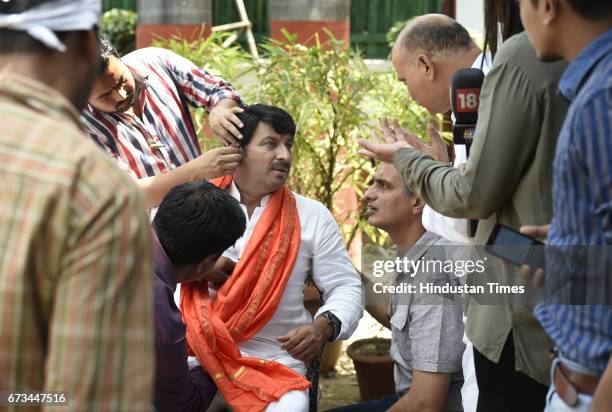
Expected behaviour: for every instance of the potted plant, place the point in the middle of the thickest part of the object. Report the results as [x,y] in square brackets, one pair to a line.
[374,367]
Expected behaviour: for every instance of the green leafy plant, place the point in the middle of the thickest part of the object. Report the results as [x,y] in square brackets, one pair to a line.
[335,100]
[119,26]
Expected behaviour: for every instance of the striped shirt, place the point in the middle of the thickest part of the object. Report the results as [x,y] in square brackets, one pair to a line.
[582,208]
[165,137]
[75,260]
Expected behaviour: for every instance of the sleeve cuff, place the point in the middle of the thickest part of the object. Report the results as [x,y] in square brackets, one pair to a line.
[334,322]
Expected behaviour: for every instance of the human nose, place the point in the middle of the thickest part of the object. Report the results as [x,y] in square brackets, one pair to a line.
[368,195]
[283,153]
[122,93]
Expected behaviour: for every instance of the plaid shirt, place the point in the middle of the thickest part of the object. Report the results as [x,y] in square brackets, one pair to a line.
[75,261]
[165,137]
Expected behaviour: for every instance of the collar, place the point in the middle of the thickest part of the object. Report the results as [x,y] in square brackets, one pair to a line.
[425,242]
[38,96]
[233,190]
[482,61]
[582,66]
[164,268]
[141,82]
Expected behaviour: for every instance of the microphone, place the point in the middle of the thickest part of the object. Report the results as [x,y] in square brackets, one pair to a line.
[465,99]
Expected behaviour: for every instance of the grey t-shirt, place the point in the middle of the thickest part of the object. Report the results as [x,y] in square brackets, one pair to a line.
[427,331]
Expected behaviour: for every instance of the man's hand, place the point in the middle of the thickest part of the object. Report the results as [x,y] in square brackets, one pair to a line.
[305,343]
[224,122]
[214,163]
[535,275]
[383,151]
[220,272]
[437,149]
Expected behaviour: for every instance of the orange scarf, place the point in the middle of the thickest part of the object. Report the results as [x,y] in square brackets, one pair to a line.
[243,305]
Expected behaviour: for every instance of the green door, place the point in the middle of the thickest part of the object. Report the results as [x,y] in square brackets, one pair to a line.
[118,4]
[225,11]
[372,19]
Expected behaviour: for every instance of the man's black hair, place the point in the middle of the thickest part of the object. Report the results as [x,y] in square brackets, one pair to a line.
[280,120]
[593,10]
[196,220]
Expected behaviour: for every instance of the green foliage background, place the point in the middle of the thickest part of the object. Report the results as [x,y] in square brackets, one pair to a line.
[334,99]
[119,26]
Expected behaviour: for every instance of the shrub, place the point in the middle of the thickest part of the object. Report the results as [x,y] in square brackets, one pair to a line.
[119,27]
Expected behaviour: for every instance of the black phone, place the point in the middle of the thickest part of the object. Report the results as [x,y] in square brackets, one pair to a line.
[515,247]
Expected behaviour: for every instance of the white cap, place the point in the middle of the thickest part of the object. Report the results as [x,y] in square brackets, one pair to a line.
[41,21]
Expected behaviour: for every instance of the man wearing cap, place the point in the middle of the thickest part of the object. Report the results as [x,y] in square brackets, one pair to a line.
[75,248]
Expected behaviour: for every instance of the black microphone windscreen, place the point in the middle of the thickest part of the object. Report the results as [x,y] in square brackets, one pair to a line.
[465,95]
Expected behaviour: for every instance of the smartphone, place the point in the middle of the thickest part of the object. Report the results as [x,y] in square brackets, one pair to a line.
[515,247]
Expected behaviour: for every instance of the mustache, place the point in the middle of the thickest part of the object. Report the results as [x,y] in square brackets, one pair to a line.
[130,98]
[281,165]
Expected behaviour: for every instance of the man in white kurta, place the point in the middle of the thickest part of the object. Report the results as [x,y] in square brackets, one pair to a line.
[322,253]
[266,164]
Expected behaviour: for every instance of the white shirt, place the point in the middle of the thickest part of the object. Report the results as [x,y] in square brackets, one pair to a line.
[451,229]
[322,252]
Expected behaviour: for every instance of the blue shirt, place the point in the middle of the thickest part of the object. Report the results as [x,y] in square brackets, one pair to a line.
[582,193]
[176,387]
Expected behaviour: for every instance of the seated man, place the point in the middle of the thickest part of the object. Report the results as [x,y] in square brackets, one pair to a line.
[427,330]
[254,336]
[195,223]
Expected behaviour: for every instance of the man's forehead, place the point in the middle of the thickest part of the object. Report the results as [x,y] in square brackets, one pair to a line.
[108,79]
[388,173]
[264,130]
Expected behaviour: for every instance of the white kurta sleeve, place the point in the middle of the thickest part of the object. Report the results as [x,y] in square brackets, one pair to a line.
[451,229]
[336,277]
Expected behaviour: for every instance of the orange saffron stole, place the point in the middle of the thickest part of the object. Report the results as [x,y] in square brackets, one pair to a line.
[243,305]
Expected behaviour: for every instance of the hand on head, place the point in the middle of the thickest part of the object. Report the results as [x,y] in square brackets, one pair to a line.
[225,124]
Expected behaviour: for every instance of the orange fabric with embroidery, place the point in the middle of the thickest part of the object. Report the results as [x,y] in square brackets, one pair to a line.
[243,305]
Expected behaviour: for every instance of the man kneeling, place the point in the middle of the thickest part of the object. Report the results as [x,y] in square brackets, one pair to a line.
[426,329]
[195,223]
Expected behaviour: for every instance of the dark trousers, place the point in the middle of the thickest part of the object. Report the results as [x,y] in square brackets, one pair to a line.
[501,388]
[379,405]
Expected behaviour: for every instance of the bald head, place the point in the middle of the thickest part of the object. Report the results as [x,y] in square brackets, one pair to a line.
[428,51]
[435,34]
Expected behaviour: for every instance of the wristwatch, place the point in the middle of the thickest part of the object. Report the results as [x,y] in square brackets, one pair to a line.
[332,321]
